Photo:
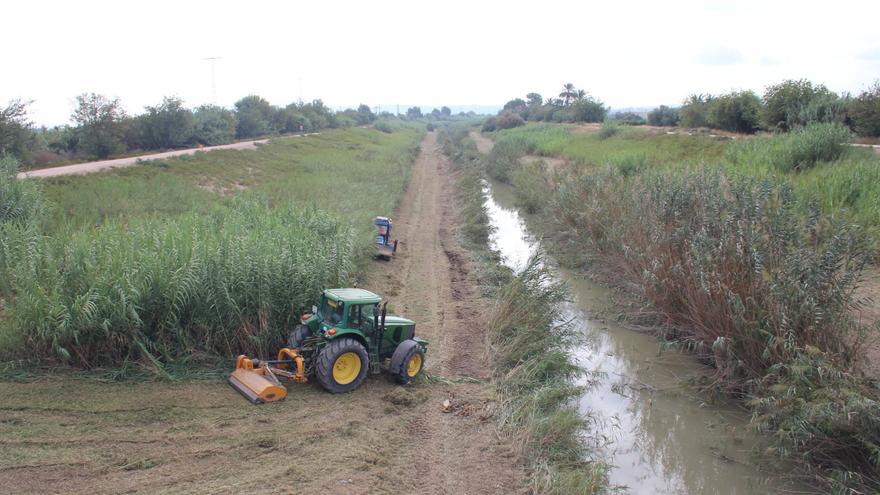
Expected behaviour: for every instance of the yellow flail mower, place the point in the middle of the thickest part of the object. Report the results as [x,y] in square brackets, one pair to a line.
[347,335]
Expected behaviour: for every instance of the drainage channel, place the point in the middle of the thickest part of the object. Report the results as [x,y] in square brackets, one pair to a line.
[658,435]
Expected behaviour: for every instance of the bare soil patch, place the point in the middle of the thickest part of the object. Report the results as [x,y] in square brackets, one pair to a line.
[61,434]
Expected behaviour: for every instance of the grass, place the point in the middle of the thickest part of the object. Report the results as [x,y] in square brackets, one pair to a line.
[149,265]
[589,149]
[533,368]
[750,259]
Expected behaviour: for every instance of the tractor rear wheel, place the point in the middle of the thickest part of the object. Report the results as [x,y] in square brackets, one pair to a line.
[297,336]
[342,366]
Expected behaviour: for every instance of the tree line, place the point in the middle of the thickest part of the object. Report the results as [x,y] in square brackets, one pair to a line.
[572,105]
[784,106]
[102,128]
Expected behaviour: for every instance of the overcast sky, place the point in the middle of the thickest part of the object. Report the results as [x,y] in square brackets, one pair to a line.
[627,53]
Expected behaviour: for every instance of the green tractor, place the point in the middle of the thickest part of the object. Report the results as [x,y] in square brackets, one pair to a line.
[347,335]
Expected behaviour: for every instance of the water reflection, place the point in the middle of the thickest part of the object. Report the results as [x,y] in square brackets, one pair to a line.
[661,439]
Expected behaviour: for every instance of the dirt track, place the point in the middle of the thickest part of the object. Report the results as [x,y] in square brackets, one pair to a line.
[91,167]
[68,435]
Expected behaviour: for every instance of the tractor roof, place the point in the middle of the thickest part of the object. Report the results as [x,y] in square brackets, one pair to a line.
[354,296]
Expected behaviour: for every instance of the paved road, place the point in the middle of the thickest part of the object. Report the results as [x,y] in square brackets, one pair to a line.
[90,167]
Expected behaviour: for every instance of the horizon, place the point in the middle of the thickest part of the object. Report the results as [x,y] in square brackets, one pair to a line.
[306,52]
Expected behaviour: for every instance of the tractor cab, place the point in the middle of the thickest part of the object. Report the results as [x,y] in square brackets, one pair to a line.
[360,314]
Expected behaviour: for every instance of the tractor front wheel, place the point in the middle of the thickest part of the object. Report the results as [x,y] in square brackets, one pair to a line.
[407,362]
[342,366]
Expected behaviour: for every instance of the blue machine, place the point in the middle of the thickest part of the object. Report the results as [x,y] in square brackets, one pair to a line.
[385,247]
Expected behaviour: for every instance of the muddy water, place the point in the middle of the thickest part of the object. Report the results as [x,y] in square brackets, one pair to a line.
[659,437]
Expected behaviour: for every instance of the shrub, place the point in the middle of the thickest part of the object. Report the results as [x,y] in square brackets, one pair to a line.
[588,110]
[864,110]
[16,134]
[628,163]
[531,185]
[167,125]
[490,124]
[21,201]
[509,120]
[694,112]
[609,128]
[504,157]
[798,150]
[663,116]
[629,118]
[213,125]
[738,111]
[255,117]
[793,103]
[385,127]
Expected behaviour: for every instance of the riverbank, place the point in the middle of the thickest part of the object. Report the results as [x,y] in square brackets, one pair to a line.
[678,241]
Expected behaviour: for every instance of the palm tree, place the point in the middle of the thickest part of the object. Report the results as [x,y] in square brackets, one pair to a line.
[580,94]
[568,92]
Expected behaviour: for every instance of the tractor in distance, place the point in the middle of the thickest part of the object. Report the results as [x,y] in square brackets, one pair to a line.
[347,335]
[385,247]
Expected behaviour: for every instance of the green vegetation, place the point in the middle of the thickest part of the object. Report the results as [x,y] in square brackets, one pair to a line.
[737,111]
[746,253]
[147,264]
[573,105]
[864,111]
[589,149]
[798,150]
[533,367]
[794,103]
[663,116]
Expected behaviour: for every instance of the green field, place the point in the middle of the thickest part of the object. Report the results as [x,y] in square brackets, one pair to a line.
[215,253]
[846,186]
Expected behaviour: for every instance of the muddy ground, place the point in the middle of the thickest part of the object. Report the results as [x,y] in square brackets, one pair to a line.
[61,434]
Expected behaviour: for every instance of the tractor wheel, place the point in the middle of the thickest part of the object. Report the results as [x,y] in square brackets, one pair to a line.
[342,366]
[407,362]
[297,336]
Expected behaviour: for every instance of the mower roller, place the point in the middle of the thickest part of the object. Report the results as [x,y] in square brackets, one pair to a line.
[345,336]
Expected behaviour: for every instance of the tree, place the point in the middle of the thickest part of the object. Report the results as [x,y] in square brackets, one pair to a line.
[568,93]
[414,113]
[695,111]
[514,105]
[213,125]
[580,95]
[445,111]
[318,114]
[534,99]
[255,116]
[364,115]
[509,120]
[99,124]
[167,125]
[793,103]
[663,116]
[16,133]
[588,110]
[864,110]
[737,111]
